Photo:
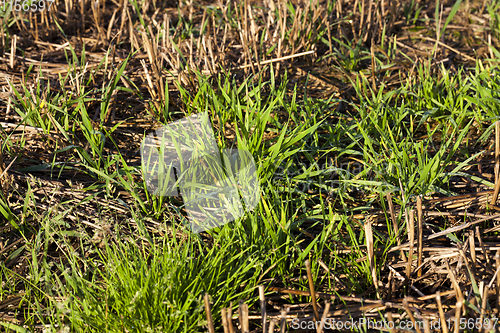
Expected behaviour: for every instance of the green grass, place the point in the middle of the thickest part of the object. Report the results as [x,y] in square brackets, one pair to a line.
[140,269]
[150,283]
